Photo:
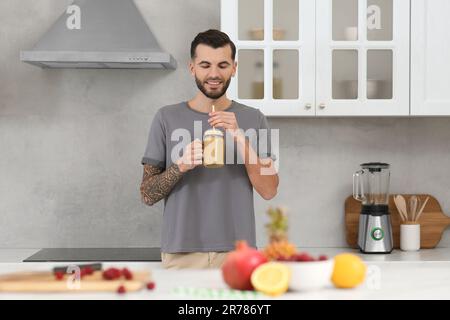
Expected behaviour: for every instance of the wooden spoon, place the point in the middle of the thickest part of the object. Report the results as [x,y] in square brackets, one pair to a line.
[419,205]
[399,210]
[412,206]
[401,206]
[421,208]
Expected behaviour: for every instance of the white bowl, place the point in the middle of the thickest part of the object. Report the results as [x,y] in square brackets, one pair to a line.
[310,275]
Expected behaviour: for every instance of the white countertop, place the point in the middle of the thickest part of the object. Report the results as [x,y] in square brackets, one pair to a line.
[386,280]
[400,275]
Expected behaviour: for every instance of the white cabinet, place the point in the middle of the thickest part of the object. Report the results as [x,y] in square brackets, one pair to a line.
[323,58]
[276,70]
[362,58]
[430,57]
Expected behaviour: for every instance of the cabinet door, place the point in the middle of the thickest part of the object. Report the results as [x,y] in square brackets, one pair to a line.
[430,67]
[275,42]
[362,57]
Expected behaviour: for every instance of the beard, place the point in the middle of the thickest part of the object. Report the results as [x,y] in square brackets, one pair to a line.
[212,95]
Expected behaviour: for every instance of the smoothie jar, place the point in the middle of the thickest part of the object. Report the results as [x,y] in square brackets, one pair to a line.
[213,148]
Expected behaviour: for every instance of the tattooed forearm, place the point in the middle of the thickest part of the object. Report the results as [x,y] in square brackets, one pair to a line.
[157,184]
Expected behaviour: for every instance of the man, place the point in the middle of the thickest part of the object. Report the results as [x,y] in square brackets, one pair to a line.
[206,210]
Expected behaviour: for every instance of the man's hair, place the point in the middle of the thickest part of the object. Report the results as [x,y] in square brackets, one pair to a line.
[213,38]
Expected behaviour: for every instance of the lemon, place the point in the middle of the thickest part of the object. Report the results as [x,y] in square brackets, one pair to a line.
[349,271]
[271,278]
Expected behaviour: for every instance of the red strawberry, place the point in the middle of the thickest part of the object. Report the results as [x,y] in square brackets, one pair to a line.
[107,275]
[88,270]
[127,274]
[150,285]
[323,258]
[83,272]
[121,290]
[112,274]
[59,275]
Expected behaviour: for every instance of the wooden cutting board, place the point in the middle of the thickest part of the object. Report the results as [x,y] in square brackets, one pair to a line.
[46,282]
[433,221]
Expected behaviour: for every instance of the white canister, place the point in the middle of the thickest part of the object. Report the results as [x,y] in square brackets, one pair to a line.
[410,236]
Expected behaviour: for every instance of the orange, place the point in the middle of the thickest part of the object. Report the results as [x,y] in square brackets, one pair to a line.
[349,271]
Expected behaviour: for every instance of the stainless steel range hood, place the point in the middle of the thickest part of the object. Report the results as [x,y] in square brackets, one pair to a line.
[111,34]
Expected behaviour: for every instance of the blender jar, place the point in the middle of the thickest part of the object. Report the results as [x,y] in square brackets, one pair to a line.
[371,184]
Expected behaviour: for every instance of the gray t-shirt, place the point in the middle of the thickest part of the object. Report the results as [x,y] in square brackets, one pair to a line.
[208,209]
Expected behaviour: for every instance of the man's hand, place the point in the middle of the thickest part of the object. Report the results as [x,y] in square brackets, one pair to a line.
[226,120]
[192,156]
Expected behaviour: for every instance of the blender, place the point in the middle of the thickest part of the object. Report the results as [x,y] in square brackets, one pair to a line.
[371,187]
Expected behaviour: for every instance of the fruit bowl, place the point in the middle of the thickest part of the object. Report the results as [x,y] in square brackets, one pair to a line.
[311,275]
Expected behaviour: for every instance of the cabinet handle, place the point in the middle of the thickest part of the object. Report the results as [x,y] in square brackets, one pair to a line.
[308,106]
[322,106]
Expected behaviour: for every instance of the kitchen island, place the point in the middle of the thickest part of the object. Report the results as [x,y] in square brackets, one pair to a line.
[401,275]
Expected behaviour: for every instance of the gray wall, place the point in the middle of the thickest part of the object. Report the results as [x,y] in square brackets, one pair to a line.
[71,143]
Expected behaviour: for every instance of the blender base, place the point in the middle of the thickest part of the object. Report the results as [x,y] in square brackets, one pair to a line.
[373,252]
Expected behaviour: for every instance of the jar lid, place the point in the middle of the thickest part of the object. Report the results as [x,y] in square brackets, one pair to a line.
[375,165]
[213,132]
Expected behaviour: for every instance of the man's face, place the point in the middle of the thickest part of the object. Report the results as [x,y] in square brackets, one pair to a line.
[213,69]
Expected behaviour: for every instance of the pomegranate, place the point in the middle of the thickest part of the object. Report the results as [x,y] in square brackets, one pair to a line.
[239,265]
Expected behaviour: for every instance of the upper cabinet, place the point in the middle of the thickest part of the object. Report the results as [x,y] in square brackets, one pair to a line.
[430,63]
[326,58]
[275,43]
[362,57]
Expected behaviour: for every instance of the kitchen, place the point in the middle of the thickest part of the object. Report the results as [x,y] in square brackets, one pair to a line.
[73,138]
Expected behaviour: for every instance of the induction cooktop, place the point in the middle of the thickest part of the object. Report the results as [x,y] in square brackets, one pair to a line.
[95,254]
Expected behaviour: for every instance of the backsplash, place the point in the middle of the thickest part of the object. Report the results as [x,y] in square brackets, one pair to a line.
[72,141]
